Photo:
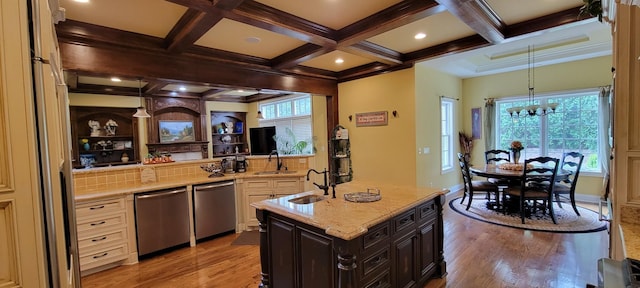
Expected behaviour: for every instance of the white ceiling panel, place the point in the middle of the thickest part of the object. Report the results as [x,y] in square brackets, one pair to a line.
[139,16]
[402,39]
[327,61]
[241,38]
[335,14]
[515,11]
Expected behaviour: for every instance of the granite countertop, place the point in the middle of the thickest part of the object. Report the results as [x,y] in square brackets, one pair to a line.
[348,220]
[631,239]
[123,189]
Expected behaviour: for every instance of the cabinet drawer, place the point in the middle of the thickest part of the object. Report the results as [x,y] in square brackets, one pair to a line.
[383,281]
[258,184]
[100,258]
[99,208]
[97,226]
[375,261]
[99,242]
[426,211]
[404,221]
[287,184]
[376,235]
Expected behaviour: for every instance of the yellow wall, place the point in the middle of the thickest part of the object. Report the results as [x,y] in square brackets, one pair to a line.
[430,86]
[589,73]
[381,153]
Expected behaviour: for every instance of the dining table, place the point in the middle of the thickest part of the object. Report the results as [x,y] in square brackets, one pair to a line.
[512,172]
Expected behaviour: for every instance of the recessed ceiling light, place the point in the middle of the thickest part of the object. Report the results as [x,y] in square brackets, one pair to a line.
[173,93]
[420,36]
[339,61]
[252,39]
[240,90]
[82,1]
[115,79]
[182,88]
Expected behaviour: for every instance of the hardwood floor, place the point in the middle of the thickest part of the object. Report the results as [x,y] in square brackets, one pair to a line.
[477,255]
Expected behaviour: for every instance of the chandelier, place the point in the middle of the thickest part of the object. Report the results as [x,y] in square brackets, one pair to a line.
[532,109]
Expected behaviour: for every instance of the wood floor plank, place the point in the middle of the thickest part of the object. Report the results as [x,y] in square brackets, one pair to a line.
[478,254]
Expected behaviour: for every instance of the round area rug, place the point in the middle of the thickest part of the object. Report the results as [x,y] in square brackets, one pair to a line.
[568,221]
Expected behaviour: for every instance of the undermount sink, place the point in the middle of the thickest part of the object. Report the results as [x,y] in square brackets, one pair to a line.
[308,199]
[274,172]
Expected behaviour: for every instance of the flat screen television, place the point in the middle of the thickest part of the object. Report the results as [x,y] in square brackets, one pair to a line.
[261,138]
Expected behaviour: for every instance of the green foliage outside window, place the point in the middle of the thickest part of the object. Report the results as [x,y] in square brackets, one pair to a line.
[574,127]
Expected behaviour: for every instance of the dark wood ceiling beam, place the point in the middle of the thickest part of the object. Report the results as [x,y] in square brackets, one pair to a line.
[478,15]
[374,52]
[363,69]
[540,24]
[103,89]
[388,19]
[265,17]
[363,73]
[212,92]
[228,57]
[313,72]
[298,55]
[82,33]
[457,46]
[154,86]
[226,98]
[177,95]
[263,97]
[191,26]
[135,62]
[194,23]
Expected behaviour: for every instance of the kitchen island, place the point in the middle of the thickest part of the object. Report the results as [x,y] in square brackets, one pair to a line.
[396,241]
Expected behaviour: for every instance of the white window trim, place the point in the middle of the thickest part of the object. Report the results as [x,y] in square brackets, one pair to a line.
[451,167]
[291,99]
[547,95]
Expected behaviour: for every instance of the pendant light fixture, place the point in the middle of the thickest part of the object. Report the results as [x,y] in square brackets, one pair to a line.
[141,112]
[532,109]
[259,115]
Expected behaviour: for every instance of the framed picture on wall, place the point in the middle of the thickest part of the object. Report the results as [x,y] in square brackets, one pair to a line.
[476,123]
[175,131]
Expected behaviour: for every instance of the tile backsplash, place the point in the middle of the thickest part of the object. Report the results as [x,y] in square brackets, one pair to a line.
[122,176]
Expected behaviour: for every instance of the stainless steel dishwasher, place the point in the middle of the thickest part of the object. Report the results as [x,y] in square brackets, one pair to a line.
[162,219]
[214,207]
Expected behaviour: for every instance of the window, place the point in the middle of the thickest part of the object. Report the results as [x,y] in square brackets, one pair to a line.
[292,119]
[446,114]
[573,127]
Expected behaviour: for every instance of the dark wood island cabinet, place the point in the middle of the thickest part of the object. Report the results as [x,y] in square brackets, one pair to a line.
[394,242]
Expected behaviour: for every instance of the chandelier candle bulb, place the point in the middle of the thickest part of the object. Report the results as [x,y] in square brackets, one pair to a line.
[532,109]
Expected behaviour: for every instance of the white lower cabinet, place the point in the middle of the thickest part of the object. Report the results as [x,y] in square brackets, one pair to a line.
[102,232]
[258,189]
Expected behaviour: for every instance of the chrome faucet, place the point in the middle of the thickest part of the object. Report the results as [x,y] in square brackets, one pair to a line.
[278,163]
[324,187]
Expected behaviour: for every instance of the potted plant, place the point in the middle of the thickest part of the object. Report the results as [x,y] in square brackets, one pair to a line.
[593,8]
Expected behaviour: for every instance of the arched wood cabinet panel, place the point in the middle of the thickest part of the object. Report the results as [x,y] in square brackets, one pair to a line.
[171,109]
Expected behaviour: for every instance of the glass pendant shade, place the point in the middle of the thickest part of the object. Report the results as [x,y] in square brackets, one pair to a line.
[259,115]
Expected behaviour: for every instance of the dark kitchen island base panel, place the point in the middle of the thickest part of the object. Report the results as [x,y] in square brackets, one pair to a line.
[403,251]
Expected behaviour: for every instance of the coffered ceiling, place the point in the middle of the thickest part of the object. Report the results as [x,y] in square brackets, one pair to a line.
[303,39]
